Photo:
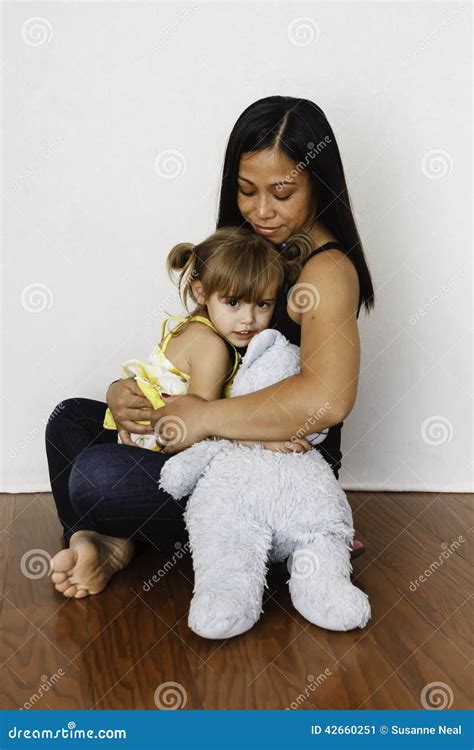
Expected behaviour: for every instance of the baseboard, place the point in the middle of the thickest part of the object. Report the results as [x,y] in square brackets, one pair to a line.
[368,487]
[15,489]
[462,488]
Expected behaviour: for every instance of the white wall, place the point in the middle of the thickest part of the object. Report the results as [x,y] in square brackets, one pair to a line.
[87,221]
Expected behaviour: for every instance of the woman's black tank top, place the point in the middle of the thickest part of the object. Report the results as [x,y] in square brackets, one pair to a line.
[330,448]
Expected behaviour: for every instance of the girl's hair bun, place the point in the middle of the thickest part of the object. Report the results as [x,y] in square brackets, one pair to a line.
[179,256]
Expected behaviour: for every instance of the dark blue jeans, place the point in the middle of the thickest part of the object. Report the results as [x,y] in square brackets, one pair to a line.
[102,485]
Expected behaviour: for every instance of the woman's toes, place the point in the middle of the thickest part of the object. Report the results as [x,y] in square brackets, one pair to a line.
[70,591]
[62,587]
[81,594]
[63,561]
[59,577]
[91,560]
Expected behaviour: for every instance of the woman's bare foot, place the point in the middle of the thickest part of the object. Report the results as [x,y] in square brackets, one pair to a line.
[89,563]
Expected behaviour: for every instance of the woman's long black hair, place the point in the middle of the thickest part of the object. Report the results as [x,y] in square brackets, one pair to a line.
[300,129]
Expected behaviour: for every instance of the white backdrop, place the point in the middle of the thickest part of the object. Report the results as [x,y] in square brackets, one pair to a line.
[115,120]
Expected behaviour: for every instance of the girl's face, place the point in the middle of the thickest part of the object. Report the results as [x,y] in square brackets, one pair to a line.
[238,321]
[273,195]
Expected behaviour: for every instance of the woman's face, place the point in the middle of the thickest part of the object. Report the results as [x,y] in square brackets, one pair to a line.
[273,195]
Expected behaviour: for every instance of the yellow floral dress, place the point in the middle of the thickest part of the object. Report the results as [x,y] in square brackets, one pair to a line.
[158,375]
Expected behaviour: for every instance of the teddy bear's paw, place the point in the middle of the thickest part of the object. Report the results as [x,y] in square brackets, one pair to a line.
[219,615]
[336,604]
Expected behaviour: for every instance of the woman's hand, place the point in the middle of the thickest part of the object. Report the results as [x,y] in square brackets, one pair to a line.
[128,406]
[180,423]
[299,445]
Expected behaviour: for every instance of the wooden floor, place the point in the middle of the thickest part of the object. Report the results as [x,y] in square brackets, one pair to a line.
[120,649]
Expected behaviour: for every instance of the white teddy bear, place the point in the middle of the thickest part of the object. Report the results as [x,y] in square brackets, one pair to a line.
[250,506]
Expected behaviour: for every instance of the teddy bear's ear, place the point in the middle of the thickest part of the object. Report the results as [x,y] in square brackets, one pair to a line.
[259,344]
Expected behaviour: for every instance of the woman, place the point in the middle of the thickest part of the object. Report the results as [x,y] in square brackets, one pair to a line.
[283,175]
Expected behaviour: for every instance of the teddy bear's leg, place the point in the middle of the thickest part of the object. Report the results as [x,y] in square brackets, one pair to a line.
[321,588]
[230,553]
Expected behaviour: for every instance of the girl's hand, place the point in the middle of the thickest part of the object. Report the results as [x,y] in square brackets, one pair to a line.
[128,405]
[180,423]
[299,445]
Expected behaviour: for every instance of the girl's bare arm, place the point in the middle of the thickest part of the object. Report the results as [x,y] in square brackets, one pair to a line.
[209,363]
[209,359]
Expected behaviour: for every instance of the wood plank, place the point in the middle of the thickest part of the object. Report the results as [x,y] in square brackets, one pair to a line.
[408,551]
[40,628]
[322,679]
[418,651]
[7,509]
[443,516]
[138,648]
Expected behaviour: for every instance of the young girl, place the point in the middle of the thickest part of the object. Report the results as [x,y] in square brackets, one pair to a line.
[233,277]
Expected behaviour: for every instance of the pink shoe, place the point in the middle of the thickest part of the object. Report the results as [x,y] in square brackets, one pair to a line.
[357,549]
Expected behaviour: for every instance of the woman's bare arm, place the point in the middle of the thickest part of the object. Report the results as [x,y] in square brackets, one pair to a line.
[320,396]
[330,360]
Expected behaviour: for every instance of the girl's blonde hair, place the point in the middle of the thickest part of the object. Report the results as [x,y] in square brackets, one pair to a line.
[233,261]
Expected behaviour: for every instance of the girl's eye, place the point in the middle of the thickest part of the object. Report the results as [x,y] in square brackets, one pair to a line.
[232,302]
[263,304]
